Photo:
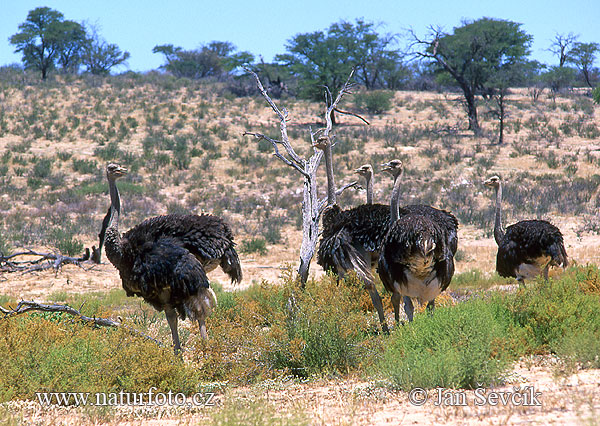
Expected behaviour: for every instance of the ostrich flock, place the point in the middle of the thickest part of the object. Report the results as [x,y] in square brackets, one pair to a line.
[165,259]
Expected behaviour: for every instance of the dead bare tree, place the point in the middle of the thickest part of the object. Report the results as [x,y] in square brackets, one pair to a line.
[311,205]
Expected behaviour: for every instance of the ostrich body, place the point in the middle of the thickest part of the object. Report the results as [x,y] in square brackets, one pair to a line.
[527,248]
[165,259]
[416,259]
[351,238]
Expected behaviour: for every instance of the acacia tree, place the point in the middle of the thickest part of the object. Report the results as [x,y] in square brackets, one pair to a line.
[474,54]
[213,60]
[72,45]
[561,46]
[324,59]
[583,55]
[99,56]
[43,36]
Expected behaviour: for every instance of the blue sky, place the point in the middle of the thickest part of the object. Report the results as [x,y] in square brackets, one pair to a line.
[263,27]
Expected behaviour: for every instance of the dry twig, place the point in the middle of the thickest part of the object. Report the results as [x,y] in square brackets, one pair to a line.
[26,306]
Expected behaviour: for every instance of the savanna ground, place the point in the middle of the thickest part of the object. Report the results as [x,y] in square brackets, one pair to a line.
[322,361]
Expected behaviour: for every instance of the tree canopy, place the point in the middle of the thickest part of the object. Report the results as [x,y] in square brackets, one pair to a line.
[43,36]
[212,60]
[326,58]
[48,41]
[583,55]
[478,56]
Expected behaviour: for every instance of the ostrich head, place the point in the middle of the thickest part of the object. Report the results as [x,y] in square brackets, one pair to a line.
[322,142]
[394,167]
[365,171]
[114,171]
[493,182]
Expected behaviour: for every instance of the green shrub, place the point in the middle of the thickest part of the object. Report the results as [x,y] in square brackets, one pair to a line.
[85,166]
[596,94]
[375,101]
[550,311]
[581,348]
[254,245]
[5,248]
[463,346]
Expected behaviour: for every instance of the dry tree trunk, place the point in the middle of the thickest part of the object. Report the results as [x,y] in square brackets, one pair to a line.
[311,205]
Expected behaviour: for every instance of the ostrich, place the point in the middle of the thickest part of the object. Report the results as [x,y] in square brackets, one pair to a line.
[527,248]
[446,220]
[366,171]
[416,259]
[351,238]
[165,259]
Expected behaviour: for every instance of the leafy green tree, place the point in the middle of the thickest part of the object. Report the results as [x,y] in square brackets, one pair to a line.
[40,39]
[72,45]
[213,60]
[558,78]
[475,54]
[326,58]
[583,55]
[99,57]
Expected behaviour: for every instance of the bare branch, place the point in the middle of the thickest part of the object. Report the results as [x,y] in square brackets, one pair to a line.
[344,90]
[323,201]
[277,153]
[283,115]
[55,261]
[26,306]
[352,114]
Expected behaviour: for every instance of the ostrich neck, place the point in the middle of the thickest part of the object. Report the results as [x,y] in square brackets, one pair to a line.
[498,230]
[112,236]
[331,199]
[369,189]
[395,200]
[115,205]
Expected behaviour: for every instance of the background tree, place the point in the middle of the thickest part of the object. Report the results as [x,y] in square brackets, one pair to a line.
[474,54]
[99,57]
[324,59]
[561,45]
[72,45]
[558,78]
[213,60]
[583,55]
[40,38]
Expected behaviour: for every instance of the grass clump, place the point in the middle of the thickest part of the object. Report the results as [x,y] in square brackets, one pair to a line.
[463,346]
[255,412]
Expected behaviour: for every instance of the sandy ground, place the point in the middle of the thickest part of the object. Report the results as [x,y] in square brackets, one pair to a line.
[533,395]
[479,253]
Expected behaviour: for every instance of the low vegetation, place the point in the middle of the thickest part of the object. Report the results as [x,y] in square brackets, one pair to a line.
[277,330]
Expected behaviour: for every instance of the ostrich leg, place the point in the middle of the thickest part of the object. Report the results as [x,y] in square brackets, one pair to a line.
[172,320]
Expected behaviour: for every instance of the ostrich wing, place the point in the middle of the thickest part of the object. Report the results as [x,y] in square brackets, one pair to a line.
[165,265]
[205,236]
